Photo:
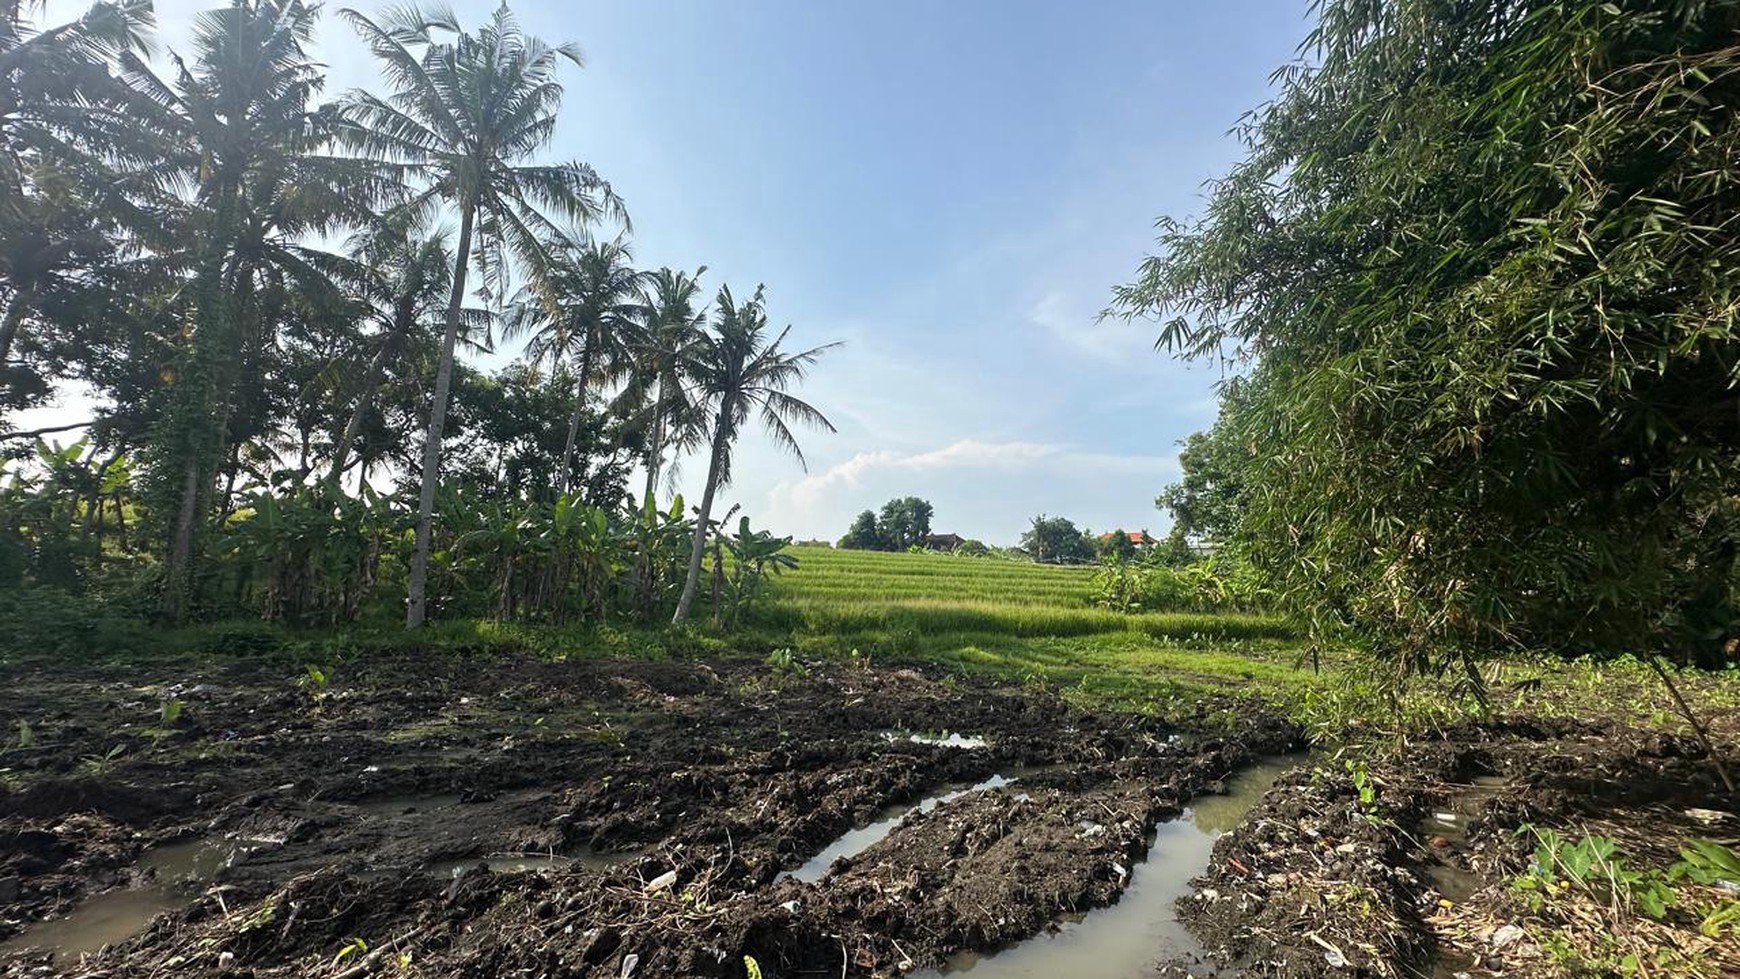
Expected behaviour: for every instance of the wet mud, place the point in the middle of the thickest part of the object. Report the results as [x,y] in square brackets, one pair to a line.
[576,819]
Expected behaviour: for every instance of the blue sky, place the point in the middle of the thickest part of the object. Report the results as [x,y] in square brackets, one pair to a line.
[951,189]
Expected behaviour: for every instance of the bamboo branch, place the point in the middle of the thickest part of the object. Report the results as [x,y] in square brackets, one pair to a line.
[1691,718]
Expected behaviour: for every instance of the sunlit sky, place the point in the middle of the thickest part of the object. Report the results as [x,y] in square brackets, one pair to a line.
[952,189]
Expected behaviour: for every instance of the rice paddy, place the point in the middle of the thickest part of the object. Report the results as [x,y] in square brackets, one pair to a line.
[1026,620]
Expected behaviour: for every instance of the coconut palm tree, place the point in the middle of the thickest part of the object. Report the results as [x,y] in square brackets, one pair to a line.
[58,120]
[56,92]
[243,181]
[738,371]
[671,324]
[466,113]
[581,311]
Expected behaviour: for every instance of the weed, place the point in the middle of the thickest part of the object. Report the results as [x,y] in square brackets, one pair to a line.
[99,765]
[315,682]
[25,738]
[1362,782]
[784,663]
[356,946]
[1592,867]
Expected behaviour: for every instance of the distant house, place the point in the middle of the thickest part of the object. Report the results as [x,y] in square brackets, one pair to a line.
[1139,538]
[943,542]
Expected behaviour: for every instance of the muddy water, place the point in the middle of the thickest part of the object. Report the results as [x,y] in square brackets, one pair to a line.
[1126,940]
[100,920]
[172,874]
[1445,829]
[857,840]
[176,870]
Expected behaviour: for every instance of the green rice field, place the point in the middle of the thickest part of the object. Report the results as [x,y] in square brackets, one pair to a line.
[1027,620]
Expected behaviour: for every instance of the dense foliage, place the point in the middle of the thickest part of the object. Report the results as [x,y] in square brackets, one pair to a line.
[904,523]
[1480,261]
[1056,540]
[258,289]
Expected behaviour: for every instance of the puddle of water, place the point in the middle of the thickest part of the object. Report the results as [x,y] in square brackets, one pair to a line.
[1447,826]
[1217,814]
[942,739]
[102,919]
[195,860]
[519,863]
[1125,940]
[859,839]
[113,916]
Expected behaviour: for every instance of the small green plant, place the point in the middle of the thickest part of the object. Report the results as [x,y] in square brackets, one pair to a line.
[356,946]
[1592,866]
[25,738]
[99,765]
[169,712]
[1713,865]
[751,968]
[785,663]
[1362,782]
[1707,862]
[315,682]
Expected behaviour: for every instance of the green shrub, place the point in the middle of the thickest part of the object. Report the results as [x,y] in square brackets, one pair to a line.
[50,622]
[240,638]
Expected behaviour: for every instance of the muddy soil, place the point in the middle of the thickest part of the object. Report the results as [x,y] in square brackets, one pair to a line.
[387,822]
[1413,876]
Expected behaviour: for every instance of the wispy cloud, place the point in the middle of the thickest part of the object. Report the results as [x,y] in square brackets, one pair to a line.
[1079,329]
[980,487]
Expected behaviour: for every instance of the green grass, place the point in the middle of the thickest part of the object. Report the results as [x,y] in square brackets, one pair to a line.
[1028,622]
[1035,623]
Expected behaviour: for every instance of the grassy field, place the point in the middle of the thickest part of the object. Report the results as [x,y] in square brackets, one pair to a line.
[1038,623]
[1027,621]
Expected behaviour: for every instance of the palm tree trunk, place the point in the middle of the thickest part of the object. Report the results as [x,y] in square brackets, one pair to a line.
[10,322]
[573,436]
[416,592]
[197,427]
[655,450]
[353,428]
[698,547]
[574,419]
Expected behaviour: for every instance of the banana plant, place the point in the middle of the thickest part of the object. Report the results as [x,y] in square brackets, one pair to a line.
[755,554]
[661,544]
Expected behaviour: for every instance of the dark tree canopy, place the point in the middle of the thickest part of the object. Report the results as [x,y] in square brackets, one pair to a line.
[1205,502]
[863,535]
[1056,540]
[904,523]
[1480,256]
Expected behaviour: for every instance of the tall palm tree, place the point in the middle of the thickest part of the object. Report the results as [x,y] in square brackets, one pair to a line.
[738,371]
[56,92]
[581,311]
[244,181]
[58,119]
[672,324]
[467,111]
